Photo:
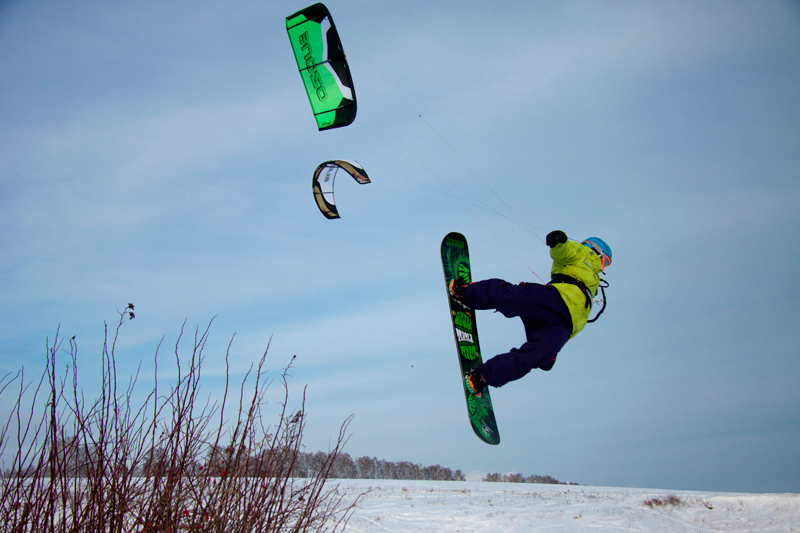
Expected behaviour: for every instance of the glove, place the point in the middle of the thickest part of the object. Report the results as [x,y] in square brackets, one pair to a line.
[555,238]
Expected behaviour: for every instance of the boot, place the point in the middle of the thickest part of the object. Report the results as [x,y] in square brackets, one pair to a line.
[457,287]
[475,383]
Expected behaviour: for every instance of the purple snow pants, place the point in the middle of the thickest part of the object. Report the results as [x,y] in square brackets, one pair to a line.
[548,326]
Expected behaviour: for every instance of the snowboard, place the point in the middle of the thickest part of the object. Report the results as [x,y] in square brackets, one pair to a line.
[455,262]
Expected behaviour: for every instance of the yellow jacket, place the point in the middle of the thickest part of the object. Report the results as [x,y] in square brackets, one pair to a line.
[580,262]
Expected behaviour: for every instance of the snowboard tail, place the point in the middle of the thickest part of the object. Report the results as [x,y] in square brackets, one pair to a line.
[455,262]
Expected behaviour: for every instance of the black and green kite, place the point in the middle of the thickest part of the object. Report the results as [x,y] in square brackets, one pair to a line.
[323,67]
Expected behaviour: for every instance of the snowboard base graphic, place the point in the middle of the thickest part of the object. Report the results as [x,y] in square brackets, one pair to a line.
[455,262]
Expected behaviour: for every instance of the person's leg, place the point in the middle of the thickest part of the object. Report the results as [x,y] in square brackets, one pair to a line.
[540,351]
[533,302]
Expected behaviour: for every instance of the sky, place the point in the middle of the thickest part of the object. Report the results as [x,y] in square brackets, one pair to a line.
[162,153]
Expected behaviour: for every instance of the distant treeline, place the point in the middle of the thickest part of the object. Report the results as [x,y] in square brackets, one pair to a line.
[345,467]
[81,461]
[519,478]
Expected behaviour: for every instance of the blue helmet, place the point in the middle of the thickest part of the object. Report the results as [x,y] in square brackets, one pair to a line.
[600,247]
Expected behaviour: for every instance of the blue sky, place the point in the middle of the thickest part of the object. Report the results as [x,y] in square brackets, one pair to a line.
[163,154]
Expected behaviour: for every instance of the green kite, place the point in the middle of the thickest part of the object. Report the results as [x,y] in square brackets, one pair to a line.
[323,66]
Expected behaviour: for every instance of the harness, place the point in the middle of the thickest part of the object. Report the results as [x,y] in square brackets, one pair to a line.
[563,278]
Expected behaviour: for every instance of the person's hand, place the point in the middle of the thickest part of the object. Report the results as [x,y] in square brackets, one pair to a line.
[554,238]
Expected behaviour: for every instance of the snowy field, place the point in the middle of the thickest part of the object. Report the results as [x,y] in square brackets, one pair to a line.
[424,506]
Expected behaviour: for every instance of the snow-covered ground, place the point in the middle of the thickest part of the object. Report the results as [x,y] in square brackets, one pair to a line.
[511,507]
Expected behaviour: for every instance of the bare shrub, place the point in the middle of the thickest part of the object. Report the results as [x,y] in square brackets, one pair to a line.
[171,462]
[671,501]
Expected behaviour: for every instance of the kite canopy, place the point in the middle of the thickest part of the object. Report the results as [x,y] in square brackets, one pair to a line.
[323,67]
[322,184]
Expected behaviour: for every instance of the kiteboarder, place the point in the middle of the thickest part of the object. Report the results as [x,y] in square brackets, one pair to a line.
[552,313]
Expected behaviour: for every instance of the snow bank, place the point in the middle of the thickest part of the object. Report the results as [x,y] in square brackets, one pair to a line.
[451,506]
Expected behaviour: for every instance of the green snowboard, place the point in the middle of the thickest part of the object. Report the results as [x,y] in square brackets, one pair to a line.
[455,262]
